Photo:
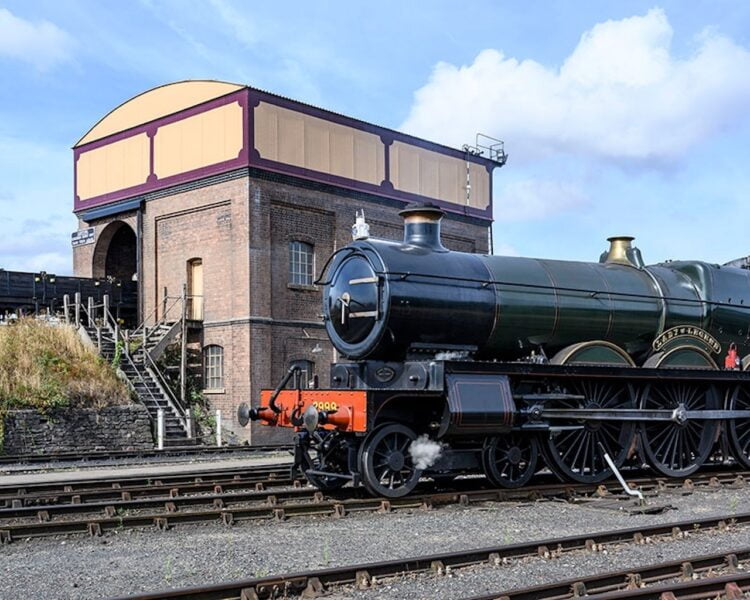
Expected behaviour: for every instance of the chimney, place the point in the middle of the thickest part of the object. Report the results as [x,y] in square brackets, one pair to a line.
[622,252]
[422,225]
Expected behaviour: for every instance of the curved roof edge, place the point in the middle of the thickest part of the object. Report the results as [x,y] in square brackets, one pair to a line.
[156,103]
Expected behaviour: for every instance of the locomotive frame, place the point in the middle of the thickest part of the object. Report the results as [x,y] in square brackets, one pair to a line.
[543,411]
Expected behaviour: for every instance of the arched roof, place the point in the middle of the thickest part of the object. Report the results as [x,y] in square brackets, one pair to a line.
[158,102]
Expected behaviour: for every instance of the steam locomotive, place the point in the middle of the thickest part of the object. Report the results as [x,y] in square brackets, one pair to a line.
[459,363]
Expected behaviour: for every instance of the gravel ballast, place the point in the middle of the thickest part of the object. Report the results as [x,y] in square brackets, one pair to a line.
[139,561]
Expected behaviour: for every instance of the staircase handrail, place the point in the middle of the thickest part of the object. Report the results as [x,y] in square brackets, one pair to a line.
[171,398]
[126,355]
[91,316]
[139,330]
[112,325]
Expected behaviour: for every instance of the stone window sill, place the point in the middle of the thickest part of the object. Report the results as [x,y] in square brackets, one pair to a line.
[215,391]
[298,287]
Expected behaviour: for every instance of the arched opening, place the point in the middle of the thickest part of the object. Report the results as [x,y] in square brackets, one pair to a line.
[116,252]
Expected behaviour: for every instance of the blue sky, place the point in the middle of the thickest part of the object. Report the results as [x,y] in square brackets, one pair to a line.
[619,117]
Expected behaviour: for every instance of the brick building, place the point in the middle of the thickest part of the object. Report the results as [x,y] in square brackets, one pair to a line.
[241,196]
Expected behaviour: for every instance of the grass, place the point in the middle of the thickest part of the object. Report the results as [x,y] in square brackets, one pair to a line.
[46,367]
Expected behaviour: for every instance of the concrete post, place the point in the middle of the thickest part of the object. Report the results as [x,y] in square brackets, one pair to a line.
[66,308]
[90,309]
[160,429]
[78,309]
[218,428]
[189,422]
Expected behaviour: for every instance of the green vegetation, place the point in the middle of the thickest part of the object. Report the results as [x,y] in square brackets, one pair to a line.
[46,367]
[199,406]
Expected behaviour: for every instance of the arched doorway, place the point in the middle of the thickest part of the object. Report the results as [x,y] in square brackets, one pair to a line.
[116,252]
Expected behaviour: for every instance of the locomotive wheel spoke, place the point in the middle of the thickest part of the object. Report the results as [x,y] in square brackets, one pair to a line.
[678,449]
[576,454]
[385,462]
[510,460]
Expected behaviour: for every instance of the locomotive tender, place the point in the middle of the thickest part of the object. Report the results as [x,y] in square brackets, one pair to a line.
[459,363]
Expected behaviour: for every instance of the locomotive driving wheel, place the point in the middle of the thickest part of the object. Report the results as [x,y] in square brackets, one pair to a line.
[509,461]
[679,448]
[738,430]
[575,452]
[386,465]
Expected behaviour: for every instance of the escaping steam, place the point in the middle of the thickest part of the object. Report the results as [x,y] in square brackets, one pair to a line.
[425,452]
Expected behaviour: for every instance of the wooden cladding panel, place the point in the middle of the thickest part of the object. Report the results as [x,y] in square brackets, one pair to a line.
[199,141]
[113,167]
[419,171]
[291,137]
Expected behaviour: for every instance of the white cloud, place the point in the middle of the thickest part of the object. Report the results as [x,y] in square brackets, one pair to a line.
[621,95]
[43,44]
[531,199]
[241,27]
[51,262]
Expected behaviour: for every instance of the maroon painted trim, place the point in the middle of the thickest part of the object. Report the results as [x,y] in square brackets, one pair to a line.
[152,182]
[386,189]
[159,184]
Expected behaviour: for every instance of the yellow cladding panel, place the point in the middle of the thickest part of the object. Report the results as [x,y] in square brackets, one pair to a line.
[420,171]
[113,167]
[156,103]
[198,141]
[291,137]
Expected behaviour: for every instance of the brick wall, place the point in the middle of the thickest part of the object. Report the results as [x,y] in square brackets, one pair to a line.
[241,229]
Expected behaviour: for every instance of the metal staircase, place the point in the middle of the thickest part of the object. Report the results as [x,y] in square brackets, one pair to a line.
[137,367]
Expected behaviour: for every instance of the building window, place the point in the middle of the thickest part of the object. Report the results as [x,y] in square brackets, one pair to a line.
[213,368]
[306,372]
[301,263]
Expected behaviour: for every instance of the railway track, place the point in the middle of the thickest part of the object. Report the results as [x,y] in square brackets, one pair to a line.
[77,491]
[705,576]
[311,583]
[163,507]
[6,459]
